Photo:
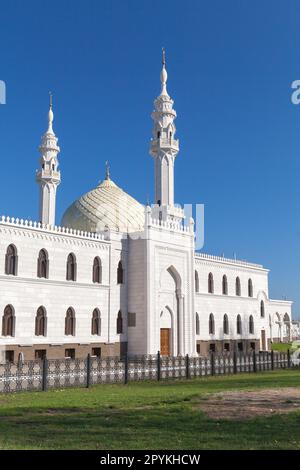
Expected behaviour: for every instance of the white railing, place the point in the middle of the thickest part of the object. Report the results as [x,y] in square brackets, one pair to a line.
[29,224]
[226,260]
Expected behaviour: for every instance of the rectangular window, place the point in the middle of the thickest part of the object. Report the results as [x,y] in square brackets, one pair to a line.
[70,354]
[198,349]
[131,319]
[240,347]
[40,354]
[96,352]
[226,347]
[9,356]
[212,347]
[252,346]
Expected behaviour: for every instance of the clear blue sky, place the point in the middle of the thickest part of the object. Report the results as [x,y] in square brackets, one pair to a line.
[230,68]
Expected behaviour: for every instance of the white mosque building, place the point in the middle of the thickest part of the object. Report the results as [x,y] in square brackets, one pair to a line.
[116,276]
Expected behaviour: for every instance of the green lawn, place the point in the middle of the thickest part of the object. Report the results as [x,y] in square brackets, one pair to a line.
[282,347]
[144,416]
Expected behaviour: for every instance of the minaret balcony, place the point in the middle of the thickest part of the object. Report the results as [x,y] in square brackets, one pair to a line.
[50,175]
[164,144]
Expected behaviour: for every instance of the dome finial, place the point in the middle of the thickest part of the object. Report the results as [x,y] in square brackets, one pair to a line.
[107,176]
[163,56]
[163,74]
[50,115]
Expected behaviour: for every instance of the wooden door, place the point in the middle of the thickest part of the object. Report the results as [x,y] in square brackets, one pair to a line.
[165,341]
[263,340]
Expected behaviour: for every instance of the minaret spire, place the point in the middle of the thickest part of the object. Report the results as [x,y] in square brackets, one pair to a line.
[107,175]
[163,74]
[164,147]
[50,115]
[48,177]
[163,57]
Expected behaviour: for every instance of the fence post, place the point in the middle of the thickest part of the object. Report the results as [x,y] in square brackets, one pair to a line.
[158,365]
[254,362]
[88,370]
[212,363]
[126,369]
[187,366]
[45,374]
[234,363]
[272,359]
[288,358]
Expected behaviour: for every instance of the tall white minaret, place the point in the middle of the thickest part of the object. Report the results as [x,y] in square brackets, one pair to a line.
[48,177]
[164,147]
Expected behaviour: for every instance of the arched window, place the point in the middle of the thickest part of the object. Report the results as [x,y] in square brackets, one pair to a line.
[196,281]
[210,283]
[43,264]
[262,309]
[97,271]
[286,318]
[70,322]
[71,267]
[238,286]
[225,325]
[120,273]
[239,325]
[211,325]
[8,321]
[11,260]
[119,323]
[96,322]
[224,285]
[197,324]
[251,325]
[40,322]
[250,288]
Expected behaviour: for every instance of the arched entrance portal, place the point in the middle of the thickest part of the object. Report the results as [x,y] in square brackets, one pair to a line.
[166,332]
[171,313]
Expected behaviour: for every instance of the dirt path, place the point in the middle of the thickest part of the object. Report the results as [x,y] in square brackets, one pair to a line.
[244,405]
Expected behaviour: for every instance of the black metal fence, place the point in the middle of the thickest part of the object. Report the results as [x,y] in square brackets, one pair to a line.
[62,373]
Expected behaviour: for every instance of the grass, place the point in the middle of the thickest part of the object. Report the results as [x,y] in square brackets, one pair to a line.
[282,347]
[144,416]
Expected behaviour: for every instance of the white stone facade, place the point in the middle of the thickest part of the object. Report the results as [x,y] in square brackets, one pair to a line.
[153,293]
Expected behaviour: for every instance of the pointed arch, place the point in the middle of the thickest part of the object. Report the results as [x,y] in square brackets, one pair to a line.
[11,260]
[211,324]
[119,323]
[71,274]
[120,273]
[210,283]
[176,276]
[262,309]
[43,264]
[197,324]
[250,288]
[251,325]
[41,322]
[97,270]
[70,322]
[238,286]
[225,324]
[96,322]
[224,285]
[286,318]
[196,281]
[8,321]
[239,329]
